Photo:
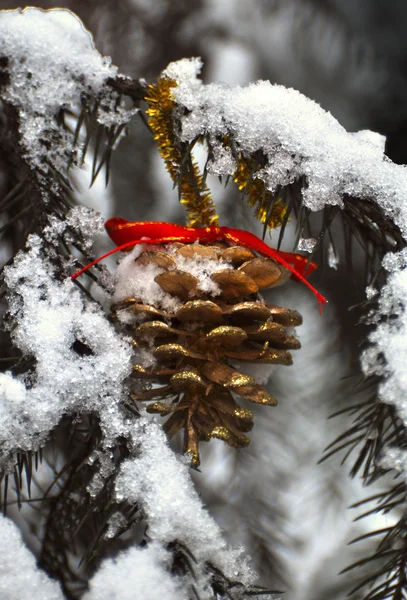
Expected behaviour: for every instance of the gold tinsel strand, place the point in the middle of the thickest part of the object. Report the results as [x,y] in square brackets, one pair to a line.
[195,195]
[257,195]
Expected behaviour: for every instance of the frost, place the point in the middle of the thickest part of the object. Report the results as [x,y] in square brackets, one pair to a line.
[136,574]
[306,244]
[20,578]
[298,138]
[52,70]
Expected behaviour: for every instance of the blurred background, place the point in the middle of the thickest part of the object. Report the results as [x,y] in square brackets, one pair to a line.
[350,57]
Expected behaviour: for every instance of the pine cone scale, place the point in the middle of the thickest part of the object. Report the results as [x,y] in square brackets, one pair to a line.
[216,316]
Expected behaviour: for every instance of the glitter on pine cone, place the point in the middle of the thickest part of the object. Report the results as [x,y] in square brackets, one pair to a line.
[194,313]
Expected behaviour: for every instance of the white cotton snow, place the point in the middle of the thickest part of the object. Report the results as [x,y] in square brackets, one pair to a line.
[298,138]
[20,578]
[160,483]
[136,574]
[52,62]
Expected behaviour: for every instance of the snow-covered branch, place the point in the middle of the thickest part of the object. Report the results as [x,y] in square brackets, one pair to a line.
[75,363]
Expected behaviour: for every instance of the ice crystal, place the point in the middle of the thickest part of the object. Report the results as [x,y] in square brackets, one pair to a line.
[306,244]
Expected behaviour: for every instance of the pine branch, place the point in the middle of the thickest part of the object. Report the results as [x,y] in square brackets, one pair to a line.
[375,426]
[79,514]
[39,183]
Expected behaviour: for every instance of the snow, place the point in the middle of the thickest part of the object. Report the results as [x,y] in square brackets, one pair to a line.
[160,483]
[50,317]
[20,578]
[387,354]
[136,573]
[394,458]
[137,280]
[133,279]
[371,292]
[222,162]
[87,221]
[297,137]
[74,71]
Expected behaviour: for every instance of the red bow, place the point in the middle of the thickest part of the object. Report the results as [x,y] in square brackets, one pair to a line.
[127,234]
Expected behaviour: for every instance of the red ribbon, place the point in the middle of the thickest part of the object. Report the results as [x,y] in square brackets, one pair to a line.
[127,234]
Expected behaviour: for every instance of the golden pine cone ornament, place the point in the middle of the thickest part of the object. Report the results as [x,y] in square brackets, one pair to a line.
[196,317]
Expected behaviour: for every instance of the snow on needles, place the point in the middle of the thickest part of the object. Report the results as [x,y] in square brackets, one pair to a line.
[297,137]
[52,65]
[50,318]
[160,483]
[387,355]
